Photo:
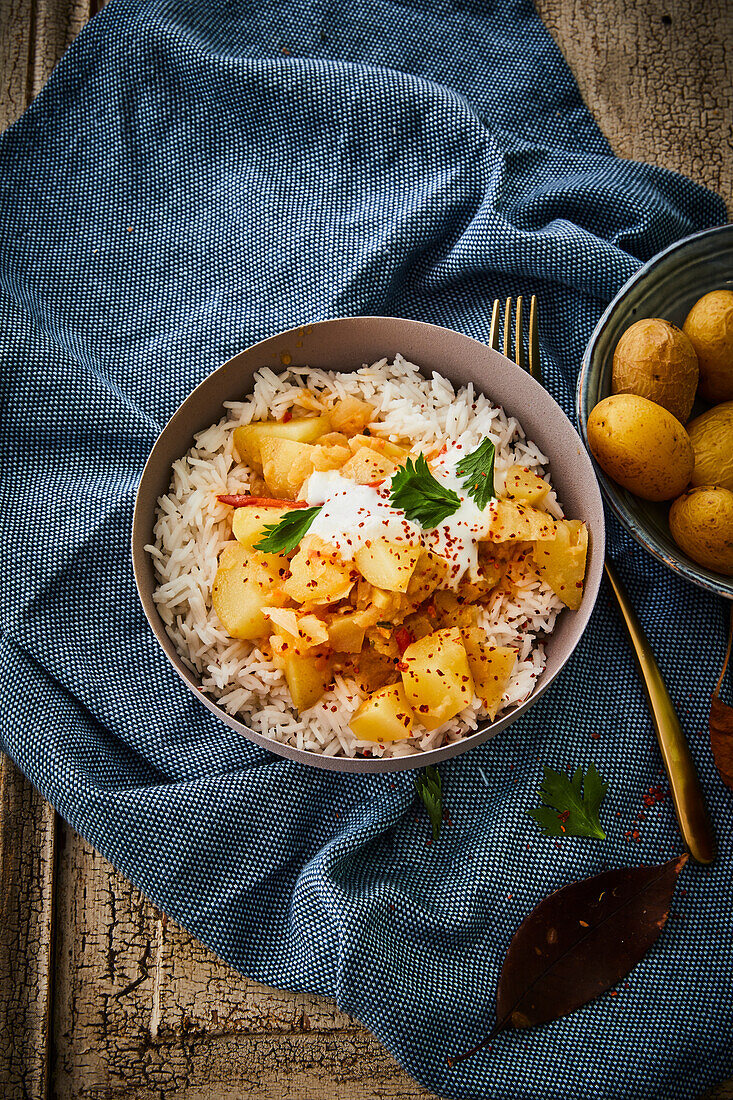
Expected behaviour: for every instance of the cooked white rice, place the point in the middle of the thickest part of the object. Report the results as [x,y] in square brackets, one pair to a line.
[192,527]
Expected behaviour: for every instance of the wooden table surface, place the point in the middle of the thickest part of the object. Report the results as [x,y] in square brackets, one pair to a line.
[100,995]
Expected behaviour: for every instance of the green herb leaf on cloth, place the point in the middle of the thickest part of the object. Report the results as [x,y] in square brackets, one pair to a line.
[422,497]
[478,470]
[280,538]
[571,806]
[430,789]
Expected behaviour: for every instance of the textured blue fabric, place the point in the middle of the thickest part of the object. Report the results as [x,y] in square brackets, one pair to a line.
[197,176]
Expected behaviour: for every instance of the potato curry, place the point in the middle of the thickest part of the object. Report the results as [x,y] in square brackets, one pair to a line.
[356,555]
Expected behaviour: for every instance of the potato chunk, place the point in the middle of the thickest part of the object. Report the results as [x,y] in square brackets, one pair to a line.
[522,485]
[451,610]
[562,562]
[384,716]
[245,583]
[386,604]
[512,521]
[436,677]
[346,633]
[366,466]
[248,524]
[491,667]
[318,575]
[350,415]
[430,572]
[295,633]
[380,446]
[285,465]
[307,679]
[386,564]
[247,439]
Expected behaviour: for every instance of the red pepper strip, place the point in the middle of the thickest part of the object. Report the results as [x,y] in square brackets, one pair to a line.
[260,502]
[403,637]
[287,416]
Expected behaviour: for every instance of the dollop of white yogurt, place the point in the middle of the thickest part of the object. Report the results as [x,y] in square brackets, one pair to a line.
[351,514]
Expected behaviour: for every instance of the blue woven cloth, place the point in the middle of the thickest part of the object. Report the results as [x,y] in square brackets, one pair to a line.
[197,176]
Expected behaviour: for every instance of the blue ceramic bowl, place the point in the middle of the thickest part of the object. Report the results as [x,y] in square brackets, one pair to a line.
[667,286]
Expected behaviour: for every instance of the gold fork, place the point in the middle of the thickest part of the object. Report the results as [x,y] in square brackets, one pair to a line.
[687,796]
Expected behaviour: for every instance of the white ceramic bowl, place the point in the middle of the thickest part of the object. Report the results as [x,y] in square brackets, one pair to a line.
[346,344]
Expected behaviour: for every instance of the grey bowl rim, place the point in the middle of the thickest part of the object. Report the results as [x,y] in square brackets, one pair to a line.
[365,765]
[682,566]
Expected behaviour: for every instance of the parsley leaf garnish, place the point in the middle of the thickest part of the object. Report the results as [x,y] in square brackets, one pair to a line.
[478,470]
[429,787]
[571,806]
[279,538]
[420,496]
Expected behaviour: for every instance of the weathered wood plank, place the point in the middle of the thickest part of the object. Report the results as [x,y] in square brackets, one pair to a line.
[142,1009]
[34,35]
[57,23]
[28,824]
[27,862]
[16,26]
[657,77]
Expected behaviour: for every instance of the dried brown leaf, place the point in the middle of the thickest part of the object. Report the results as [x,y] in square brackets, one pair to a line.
[579,942]
[721,723]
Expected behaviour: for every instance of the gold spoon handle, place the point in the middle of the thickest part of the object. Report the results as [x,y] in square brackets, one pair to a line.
[689,801]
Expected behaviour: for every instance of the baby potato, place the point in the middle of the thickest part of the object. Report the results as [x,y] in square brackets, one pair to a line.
[709,325]
[641,446]
[711,435]
[701,522]
[656,360]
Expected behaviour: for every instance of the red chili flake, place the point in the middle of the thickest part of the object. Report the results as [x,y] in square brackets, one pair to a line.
[287,416]
[654,795]
[403,637]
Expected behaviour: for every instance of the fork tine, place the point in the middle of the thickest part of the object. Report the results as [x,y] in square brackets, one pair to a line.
[534,342]
[494,334]
[519,357]
[508,329]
